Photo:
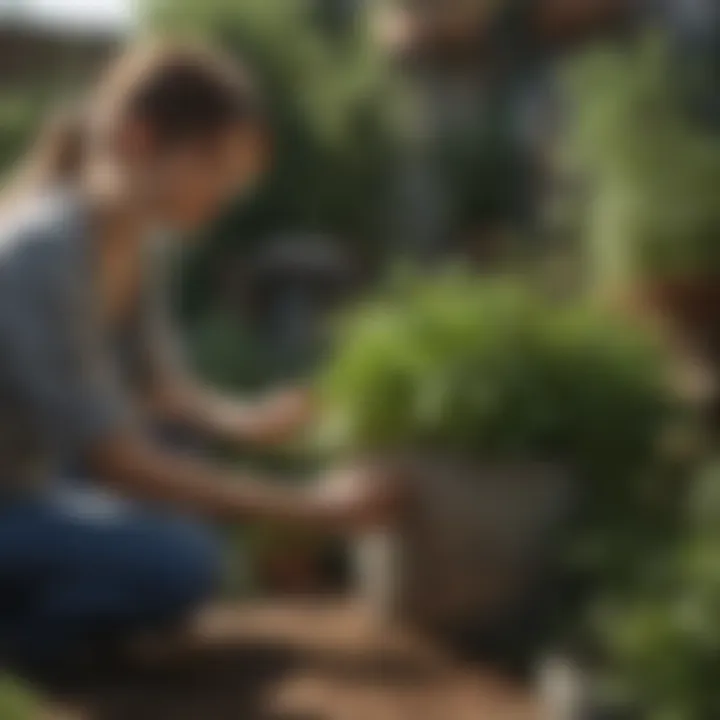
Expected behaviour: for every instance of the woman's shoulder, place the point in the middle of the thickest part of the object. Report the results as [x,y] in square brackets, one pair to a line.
[43,225]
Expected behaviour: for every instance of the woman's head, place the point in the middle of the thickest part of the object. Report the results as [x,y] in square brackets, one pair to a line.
[177,127]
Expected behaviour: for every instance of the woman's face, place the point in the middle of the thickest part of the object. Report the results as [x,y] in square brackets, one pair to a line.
[187,186]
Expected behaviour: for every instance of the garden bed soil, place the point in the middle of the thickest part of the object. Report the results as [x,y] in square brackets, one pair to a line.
[303,661]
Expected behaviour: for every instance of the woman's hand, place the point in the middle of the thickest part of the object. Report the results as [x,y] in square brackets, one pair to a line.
[355,499]
[361,497]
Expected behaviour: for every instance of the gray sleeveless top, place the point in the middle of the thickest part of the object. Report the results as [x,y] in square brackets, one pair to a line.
[65,382]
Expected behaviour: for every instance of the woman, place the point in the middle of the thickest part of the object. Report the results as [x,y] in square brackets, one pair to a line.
[171,135]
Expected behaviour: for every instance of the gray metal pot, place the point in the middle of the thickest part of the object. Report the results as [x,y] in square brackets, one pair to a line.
[474,540]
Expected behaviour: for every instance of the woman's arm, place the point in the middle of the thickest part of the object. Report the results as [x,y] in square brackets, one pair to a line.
[176,396]
[273,419]
[64,380]
[138,467]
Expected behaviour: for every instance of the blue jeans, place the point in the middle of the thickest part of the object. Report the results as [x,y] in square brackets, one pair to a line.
[80,571]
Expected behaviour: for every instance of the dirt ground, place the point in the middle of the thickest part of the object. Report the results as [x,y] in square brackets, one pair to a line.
[296,661]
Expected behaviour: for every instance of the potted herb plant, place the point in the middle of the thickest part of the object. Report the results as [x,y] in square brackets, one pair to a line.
[500,409]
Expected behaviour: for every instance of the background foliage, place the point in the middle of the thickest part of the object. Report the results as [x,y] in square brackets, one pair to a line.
[653,169]
[326,88]
[16,701]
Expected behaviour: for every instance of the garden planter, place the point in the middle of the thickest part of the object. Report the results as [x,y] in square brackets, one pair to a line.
[289,565]
[286,574]
[690,307]
[563,23]
[687,312]
[474,540]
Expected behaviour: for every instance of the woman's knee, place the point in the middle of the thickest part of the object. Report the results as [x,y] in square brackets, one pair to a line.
[186,567]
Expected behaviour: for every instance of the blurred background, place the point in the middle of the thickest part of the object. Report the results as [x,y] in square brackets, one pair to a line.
[571,145]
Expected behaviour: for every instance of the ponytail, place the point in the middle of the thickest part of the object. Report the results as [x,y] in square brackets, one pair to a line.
[55,159]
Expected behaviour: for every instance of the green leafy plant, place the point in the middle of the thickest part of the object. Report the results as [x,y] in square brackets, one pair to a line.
[495,370]
[663,637]
[504,374]
[16,701]
[20,116]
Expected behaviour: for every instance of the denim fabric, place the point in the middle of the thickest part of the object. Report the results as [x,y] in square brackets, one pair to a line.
[79,569]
